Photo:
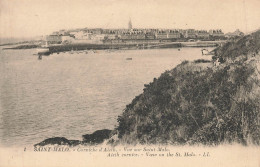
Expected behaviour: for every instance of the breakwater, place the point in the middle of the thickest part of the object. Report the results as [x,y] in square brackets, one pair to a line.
[131,45]
[89,46]
[121,45]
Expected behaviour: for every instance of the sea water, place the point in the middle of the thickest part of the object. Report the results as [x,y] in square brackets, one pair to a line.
[69,95]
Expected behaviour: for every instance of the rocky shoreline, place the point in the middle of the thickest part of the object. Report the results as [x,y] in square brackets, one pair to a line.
[200,102]
[97,137]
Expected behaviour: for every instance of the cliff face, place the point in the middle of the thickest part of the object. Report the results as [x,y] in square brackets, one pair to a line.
[198,103]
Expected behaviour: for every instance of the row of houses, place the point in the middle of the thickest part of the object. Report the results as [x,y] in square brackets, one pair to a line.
[99,35]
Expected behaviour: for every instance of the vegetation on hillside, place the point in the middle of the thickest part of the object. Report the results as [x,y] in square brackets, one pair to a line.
[198,104]
[241,47]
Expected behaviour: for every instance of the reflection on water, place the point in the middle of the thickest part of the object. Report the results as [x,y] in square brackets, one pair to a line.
[73,94]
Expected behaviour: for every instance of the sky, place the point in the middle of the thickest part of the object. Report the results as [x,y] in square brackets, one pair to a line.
[30,18]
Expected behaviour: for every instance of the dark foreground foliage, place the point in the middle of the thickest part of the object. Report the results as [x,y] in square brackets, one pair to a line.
[97,137]
[202,61]
[242,47]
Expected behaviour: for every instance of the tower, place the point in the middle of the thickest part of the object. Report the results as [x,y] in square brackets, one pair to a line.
[130,24]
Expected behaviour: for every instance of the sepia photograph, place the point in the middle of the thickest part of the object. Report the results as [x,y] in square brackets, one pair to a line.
[130,83]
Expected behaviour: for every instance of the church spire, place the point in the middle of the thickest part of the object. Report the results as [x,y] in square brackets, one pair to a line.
[130,24]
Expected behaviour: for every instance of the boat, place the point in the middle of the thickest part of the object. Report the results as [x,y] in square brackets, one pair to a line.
[206,52]
[43,50]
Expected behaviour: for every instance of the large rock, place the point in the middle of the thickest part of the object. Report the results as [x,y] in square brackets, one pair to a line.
[58,141]
[97,137]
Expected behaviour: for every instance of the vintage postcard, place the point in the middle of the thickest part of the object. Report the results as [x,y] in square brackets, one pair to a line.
[129,83]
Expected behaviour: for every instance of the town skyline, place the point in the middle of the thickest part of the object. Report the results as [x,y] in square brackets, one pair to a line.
[35,18]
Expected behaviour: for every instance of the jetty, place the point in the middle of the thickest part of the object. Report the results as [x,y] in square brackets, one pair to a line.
[130,45]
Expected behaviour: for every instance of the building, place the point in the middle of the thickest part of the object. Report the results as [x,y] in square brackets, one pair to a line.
[216,33]
[125,35]
[234,34]
[81,35]
[161,34]
[202,34]
[150,35]
[67,39]
[110,36]
[138,36]
[190,33]
[174,34]
[63,32]
[94,31]
[97,37]
[53,39]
